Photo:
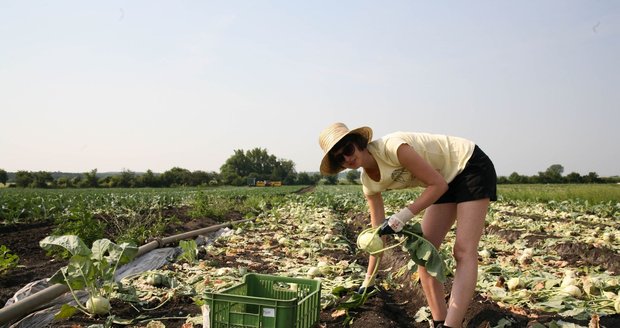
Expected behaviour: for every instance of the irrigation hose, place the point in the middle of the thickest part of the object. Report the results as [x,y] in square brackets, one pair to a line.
[35,301]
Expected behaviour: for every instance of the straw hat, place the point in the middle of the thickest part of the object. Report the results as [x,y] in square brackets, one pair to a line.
[330,136]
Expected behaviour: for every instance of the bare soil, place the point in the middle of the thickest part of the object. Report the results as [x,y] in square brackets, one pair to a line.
[389,309]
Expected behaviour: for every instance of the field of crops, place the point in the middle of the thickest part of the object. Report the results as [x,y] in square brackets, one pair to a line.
[549,257]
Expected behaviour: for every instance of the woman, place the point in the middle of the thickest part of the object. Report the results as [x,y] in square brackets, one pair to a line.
[459,182]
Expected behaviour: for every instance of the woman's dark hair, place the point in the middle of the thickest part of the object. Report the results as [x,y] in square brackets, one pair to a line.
[360,142]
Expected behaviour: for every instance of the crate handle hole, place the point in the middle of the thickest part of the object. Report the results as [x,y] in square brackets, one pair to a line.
[284,286]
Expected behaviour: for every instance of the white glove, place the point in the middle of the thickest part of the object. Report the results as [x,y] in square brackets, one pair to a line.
[398,220]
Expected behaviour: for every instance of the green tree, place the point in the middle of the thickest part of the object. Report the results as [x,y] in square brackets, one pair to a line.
[149,179]
[90,179]
[41,179]
[260,162]
[255,163]
[76,181]
[284,170]
[303,178]
[126,179]
[235,167]
[203,178]
[553,174]
[331,179]
[592,177]
[4,176]
[516,178]
[353,176]
[106,181]
[23,179]
[289,179]
[177,177]
[63,182]
[573,177]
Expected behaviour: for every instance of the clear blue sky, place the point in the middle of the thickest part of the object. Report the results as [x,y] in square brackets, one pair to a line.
[137,85]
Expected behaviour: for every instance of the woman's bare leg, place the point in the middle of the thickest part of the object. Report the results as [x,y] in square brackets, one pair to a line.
[437,221]
[469,228]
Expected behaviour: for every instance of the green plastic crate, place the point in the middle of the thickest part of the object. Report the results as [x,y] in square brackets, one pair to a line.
[266,301]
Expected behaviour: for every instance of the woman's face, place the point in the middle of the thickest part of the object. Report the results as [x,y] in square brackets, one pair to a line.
[347,156]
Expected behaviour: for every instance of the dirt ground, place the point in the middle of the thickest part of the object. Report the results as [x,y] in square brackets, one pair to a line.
[388,309]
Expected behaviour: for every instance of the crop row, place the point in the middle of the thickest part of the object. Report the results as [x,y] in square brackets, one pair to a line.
[533,257]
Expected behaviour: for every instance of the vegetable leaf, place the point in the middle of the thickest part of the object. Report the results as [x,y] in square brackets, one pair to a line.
[66,311]
[71,243]
[423,253]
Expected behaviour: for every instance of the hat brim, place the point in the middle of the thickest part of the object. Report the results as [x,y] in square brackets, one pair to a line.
[326,167]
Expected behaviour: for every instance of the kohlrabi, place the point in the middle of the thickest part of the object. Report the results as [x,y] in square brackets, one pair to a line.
[90,269]
[369,241]
[98,305]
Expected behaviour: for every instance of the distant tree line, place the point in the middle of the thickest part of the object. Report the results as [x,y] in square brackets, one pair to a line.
[553,174]
[254,164]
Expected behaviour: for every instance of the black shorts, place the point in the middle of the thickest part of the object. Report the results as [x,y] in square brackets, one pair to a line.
[478,180]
